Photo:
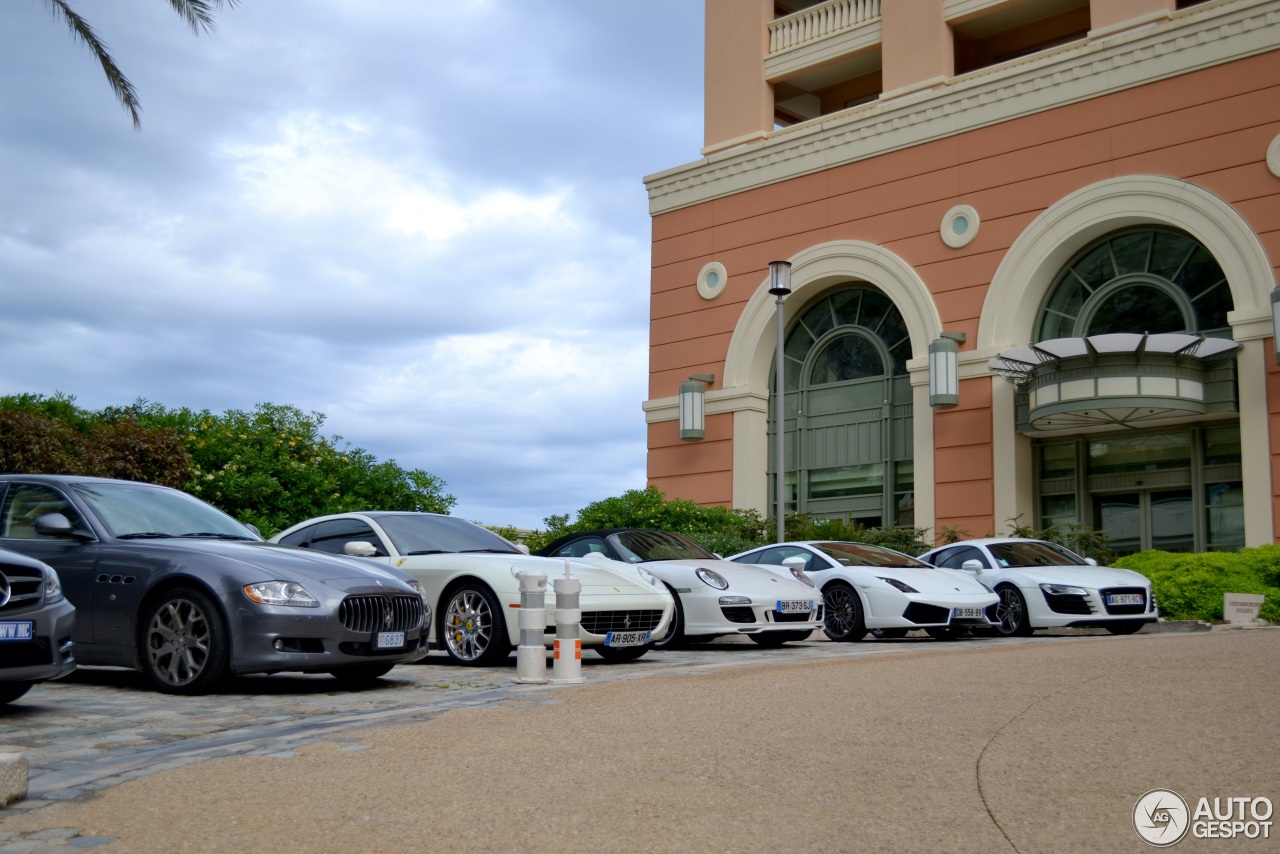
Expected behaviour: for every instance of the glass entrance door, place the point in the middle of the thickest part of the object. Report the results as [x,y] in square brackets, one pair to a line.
[1146,519]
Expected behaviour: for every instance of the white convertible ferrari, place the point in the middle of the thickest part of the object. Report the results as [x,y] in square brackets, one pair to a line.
[1044,585]
[714,597]
[872,588]
[468,574]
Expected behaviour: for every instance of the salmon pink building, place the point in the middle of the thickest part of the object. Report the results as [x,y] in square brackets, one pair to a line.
[1032,249]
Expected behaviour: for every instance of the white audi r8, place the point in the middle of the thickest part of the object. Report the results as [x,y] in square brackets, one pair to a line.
[1044,585]
[714,597]
[468,574]
[872,588]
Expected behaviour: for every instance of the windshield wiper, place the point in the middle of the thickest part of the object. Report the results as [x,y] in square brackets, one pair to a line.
[426,552]
[487,551]
[212,536]
[145,535]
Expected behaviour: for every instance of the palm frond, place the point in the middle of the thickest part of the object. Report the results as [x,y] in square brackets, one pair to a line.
[199,13]
[80,29]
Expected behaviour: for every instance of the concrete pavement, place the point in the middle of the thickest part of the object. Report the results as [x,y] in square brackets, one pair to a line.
[916,745]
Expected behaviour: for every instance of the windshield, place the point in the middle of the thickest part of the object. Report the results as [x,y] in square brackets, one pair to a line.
[139,510]
[860,554]
[1033,554]
[638,546]
[424,534]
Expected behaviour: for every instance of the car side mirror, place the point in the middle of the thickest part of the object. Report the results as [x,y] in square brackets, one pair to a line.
[359,548]
[253,527]
[522,547]
[58,525]
[972,566]
[795,562]
[1090,561]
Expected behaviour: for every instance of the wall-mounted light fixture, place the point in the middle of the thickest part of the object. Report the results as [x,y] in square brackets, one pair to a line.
[693,422]
[944,370]
[1275,318]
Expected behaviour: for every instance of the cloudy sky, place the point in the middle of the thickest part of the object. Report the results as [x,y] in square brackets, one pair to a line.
[424,219]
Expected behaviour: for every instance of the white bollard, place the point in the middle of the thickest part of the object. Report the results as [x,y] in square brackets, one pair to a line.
[531,655]
[566,667]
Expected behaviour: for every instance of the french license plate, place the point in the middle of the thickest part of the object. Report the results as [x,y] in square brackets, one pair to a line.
[966,613]
[17,631]
[794,606]
[1126,599]
[626,638]
[390,640]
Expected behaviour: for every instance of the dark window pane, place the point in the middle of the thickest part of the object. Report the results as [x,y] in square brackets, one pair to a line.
[1169,252]
[850,357]
[1139,308]
[1131,252]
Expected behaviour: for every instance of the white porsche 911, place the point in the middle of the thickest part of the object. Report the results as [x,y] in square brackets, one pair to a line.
[714,597]
[872,588]
[468,575]
[1044,585]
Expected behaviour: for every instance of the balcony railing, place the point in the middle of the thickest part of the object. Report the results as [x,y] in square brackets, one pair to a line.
[819,22]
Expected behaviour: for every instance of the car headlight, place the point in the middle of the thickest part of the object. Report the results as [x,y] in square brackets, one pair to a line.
[734,600]
[711,578]
[52,588]
[417,588]
[904,587]
[281,593]
[1063,590]
[801,575]
[985,587]
[648,576]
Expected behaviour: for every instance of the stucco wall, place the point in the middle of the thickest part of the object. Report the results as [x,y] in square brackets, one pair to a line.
[1210,127]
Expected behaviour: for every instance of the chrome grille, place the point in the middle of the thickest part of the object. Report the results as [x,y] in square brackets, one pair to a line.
[368,614]
[25,586]
[602,622]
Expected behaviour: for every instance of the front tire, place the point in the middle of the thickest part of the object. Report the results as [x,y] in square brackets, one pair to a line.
[674,638]
[1011,613]
[10,691]
[471,627]
[618,655]
[776,639]
[1124,627]
[183,642]
[844,620]
[361,675]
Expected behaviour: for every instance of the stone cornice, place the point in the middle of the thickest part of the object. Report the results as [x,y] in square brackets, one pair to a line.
[1196,38]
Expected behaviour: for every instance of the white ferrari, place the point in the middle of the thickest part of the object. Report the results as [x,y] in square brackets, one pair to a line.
[468,575]
[1044,585]
[714,597]
[872,588]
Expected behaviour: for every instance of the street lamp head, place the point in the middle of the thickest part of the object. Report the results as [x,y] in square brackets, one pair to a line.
[779,278]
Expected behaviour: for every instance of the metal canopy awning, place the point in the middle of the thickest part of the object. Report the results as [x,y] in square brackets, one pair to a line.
[1120,379]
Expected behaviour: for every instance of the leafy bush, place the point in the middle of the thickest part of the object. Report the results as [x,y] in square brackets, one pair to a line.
[270,467]
[1191,586]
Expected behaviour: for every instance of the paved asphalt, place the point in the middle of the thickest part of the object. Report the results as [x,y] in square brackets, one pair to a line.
[1038,744]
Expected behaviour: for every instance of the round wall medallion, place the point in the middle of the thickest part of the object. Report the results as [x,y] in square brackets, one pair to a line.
[960,226]
[1273,157]
[711,280]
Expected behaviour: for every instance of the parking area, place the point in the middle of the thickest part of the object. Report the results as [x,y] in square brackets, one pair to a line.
[102,728]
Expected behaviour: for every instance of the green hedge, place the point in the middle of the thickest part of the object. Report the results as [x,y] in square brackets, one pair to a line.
[1191,586]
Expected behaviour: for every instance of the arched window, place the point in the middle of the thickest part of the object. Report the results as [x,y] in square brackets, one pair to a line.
[1141,280]
[848,409]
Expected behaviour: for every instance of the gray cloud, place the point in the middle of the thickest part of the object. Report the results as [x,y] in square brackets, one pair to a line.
[424,220]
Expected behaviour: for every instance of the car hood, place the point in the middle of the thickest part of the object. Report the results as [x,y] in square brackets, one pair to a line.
[280,563]
[744,579]
[593,574]
[1081,576]
[925,579]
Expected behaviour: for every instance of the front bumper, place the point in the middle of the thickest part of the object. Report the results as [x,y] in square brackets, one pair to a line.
[49,654]
[276,639]
[709,615]
[930,610]
[1095,609]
